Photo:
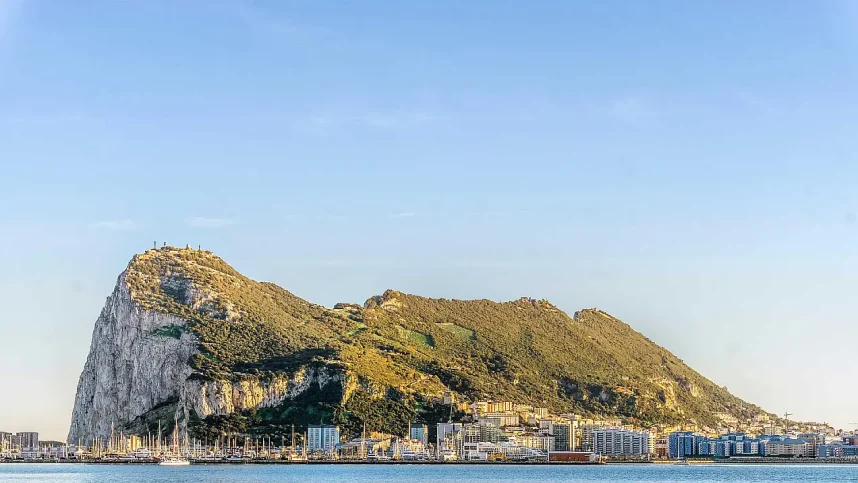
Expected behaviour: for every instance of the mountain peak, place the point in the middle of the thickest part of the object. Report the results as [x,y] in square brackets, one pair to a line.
[185,333]
[389,299]
[536,303]
[168,257]
[176,280]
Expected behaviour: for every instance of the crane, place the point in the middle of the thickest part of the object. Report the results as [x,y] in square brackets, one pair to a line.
[787,415]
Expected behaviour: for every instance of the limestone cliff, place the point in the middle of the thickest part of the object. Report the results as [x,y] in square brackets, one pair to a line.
[185,335]
[139,362]
[130,368]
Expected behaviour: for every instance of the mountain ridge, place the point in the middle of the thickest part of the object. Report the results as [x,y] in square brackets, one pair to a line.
[242,355]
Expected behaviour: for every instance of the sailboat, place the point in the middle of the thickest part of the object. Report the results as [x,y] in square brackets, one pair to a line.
[175,459]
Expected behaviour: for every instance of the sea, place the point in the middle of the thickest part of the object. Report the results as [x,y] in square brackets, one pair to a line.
[402,473]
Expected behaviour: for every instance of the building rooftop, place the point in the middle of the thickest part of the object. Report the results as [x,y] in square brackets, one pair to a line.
[789,441]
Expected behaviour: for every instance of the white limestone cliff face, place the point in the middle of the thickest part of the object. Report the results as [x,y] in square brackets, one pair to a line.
[208,398]
[131,369]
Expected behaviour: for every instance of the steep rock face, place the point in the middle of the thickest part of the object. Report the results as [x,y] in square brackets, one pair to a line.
[130,368]
[218,398]
[184,334]
[139,361]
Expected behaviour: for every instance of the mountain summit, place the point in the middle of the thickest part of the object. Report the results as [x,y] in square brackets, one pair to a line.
[184,334]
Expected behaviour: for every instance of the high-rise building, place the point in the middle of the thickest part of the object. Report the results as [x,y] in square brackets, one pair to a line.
[447,433]
[420,433]
[682,444]
[587,433]
[661,446]
[563,432]
[482,432]
[618,441]
[564,435]
[29,440]
[322,437]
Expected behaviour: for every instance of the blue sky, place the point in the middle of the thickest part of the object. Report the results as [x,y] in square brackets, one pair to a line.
[686,166]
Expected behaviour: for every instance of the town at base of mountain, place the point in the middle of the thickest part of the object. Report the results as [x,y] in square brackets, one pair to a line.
[185,337]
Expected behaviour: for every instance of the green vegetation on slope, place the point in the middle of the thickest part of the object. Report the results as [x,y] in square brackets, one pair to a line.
[528,350]
[402,350]
[243,326]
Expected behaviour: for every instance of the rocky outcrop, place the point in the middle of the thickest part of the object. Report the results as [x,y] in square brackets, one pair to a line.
[217,398]
[139,361]
[185,334]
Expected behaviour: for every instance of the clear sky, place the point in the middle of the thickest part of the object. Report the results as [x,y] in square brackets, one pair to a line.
[689,167]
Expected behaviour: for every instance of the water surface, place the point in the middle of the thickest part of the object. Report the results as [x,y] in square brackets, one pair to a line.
[75,473]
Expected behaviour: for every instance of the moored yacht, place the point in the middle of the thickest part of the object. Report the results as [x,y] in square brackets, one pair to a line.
[174,458]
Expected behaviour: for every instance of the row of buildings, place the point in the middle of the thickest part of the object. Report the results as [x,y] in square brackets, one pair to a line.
[25,444]
[503,429]
[494,431]
[688,444]
[489,430]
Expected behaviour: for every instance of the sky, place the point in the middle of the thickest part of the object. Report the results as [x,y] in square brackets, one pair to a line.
[689,167]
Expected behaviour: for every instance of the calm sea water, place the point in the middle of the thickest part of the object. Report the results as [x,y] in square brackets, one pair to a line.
[68,473]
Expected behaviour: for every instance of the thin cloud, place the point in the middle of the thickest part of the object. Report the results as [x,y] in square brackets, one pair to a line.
[116,225]
[206,222]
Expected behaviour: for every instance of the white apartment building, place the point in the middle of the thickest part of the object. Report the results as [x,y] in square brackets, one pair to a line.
[501,419]
[322,437]
[794,447]
[618,441]
[542,442]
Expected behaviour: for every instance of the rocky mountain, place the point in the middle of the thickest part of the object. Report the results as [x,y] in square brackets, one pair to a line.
[185,334]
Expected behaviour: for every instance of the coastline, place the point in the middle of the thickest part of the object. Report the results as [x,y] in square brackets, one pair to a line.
[309,462]
[750,461]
